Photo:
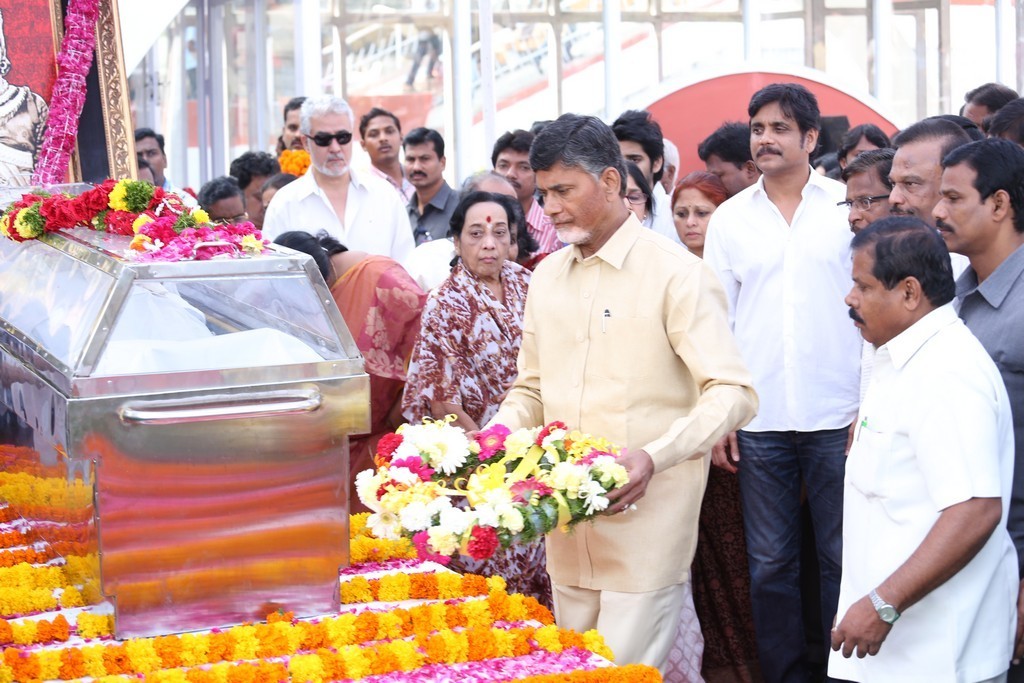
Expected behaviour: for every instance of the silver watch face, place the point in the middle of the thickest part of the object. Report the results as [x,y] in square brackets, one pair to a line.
[888,613]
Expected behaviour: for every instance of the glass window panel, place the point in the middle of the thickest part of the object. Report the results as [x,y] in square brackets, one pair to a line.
[281,85]
[583,68]
[700,5]
[639,58]
[846,49]
[690,46]
[782,41]
[845,4]
[52,297]
[904,96]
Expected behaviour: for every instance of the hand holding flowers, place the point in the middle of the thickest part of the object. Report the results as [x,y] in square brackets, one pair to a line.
[454,494]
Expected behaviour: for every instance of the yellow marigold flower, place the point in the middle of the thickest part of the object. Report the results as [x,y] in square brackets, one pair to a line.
[357,663]
[23,633]
[118,195]
[356,590]
[194,649]
[393,588]
[246,642]
[407,655]
[143,655]
[306,668]
[92,661]
[23,227]
[390,625]
[478,613]
[504,642]
[594,642]
[140,221]
[94,625]
[5,225]
[200,216]
[547,638]
[49,664]
[71,598]
[449,586]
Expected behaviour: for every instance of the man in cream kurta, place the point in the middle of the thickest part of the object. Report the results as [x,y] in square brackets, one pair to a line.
[626,336]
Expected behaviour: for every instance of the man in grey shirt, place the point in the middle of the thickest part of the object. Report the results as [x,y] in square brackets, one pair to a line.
[432,206]
[981,215]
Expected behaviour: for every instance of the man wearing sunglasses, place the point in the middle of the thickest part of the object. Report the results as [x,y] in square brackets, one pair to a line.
[868,187]
[360,210]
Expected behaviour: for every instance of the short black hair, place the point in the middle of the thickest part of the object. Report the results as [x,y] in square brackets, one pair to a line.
[640,127]
[1008,122]
[277,181]
[419,136]
[143,133]
[992,96]
[641,182]
[796,102]
[968,126]
[998,165]
[576,141]
[321,247]
[875,135]
[730,142]
[878,161]
[906,246]
[253,165]
[516,140]
[365,119]
[291,105]
[217,189]
[470,199]
[951,135]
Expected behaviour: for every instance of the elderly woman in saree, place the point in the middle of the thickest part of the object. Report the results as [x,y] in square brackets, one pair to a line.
[381,306]
[465,358]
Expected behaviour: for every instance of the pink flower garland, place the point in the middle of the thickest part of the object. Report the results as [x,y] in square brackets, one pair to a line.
[73,63]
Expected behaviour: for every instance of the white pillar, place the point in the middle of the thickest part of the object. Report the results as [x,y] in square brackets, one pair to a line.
[462,86]
[308,65]
[487,96]
[751,24]
[612,14]
[881,50]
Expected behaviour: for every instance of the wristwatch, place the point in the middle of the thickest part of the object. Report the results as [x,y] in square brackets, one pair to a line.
[886,612]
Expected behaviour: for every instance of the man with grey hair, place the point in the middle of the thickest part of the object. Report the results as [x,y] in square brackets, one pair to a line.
[358,209]
[668,179]
[660,376]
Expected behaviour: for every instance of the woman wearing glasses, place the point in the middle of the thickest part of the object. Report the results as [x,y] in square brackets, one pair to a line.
[638,195]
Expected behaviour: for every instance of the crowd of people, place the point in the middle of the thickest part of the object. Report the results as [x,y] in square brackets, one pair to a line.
[811,358]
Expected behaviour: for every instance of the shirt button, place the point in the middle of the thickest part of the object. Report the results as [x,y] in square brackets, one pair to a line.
[586,295]
[579,336]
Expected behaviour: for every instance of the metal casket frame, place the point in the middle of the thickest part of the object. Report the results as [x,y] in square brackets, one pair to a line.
[204,496]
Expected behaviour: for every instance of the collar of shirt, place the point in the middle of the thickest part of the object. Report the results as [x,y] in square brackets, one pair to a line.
[307,185]
[815,180]
[438,201]
[614,251]
[996,286]
[904,345]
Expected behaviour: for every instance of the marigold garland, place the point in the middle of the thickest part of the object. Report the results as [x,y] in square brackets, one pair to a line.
[294,161]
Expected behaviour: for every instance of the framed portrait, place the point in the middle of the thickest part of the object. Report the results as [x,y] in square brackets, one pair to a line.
[30,38]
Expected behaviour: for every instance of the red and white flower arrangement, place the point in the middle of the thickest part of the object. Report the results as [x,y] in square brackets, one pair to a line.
[452,495]
[163,228]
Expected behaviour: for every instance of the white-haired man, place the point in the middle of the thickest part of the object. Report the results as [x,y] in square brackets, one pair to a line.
[360,210]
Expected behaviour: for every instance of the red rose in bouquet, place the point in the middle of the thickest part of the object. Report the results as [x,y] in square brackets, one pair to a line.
[483,541]
[120,222]
[386,448]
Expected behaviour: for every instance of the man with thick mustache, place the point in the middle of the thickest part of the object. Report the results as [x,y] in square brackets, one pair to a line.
[360,211]
[781,248]
[431,207]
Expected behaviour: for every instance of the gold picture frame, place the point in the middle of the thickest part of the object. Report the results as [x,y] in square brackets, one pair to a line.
[105,146]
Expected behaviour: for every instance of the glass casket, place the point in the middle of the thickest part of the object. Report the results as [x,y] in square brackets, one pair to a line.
[190,423]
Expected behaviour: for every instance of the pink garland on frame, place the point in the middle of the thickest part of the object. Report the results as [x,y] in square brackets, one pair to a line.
[73,63]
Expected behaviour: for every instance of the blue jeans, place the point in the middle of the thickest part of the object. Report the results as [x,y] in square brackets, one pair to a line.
[773,465]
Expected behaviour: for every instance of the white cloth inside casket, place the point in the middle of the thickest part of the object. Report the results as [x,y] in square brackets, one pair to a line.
[158,331]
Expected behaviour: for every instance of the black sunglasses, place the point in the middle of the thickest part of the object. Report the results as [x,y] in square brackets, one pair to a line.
[324,139]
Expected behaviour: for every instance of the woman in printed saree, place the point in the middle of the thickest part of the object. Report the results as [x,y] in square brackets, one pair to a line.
[381,306]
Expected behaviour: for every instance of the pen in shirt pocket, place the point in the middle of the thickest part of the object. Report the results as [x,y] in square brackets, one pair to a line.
[604,320]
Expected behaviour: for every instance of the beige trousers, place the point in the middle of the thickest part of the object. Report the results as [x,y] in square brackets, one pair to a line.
[638,627]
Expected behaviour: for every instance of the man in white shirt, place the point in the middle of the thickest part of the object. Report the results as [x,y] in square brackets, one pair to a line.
[929,571]
[361,211]
[781,248]
[641,142]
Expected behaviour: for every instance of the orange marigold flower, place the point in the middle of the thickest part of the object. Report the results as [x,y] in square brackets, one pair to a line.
[72,664]
[60,629]
[116,660]
[6,633]
[222,647]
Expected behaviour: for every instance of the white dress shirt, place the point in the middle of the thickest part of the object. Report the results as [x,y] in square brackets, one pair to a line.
[662,221]
[785,284]
[430,263]
[934,430]
[375,219]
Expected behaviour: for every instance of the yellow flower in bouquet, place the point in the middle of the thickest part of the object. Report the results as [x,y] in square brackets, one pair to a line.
[143,219]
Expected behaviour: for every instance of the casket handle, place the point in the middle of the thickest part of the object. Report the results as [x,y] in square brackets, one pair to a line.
[221,407]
